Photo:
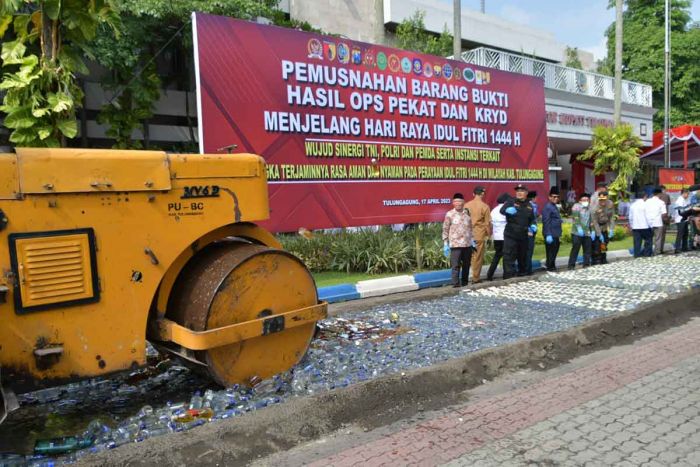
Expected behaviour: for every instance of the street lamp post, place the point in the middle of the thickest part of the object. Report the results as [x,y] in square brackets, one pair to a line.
[667,85]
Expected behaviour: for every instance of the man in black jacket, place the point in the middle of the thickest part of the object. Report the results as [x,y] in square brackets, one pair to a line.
[520,224]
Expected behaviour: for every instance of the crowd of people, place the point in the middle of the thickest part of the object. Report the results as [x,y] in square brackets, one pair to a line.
[513,224]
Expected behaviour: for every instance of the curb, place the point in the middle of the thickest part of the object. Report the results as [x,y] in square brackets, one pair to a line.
[423,280]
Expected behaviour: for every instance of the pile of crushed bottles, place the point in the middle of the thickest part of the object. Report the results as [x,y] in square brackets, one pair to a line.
[383,340]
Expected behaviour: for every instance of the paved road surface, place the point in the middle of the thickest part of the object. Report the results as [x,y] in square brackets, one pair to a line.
[631,405]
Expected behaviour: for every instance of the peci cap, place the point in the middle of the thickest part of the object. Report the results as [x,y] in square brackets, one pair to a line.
[520,187]
[554,191]
[658,191]
[479,190]
[601,184]
[458,196]
[502,198]
[531,194]
[584,195]
[603,193]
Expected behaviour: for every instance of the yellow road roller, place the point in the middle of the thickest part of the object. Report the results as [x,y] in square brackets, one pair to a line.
[102,250]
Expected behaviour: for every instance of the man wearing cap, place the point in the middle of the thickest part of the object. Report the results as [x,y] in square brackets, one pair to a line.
[582,233]
[551,228]
[520,221]
[481,230]
[603,224]
[458,240]
[599,188]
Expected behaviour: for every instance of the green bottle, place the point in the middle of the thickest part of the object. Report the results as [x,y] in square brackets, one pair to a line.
[61,445]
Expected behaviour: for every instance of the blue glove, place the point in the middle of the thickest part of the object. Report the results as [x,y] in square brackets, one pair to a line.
[611,234]
[579,231]
[592,235]
[446,250]
[533,228]
[549,240]
[601,238]
[511,211]
[474,244]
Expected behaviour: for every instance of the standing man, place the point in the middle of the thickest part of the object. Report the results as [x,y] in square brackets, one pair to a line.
[599,188]
[532,197]
[656,209]
[551,228]
[498,225]
[667,218]
[603,224]
[457,236]
[581,232]
[641,231]
[679,206]
[520,221]
[481,230]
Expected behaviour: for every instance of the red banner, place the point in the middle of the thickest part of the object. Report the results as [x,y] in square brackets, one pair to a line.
[675,179]
[361,134]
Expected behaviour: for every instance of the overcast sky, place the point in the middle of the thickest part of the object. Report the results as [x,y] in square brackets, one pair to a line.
[577,23]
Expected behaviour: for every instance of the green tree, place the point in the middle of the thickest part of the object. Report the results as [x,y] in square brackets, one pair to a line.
[152,27]
[615,149]
[411,35]
[43,45]
[572,60]
[643,56]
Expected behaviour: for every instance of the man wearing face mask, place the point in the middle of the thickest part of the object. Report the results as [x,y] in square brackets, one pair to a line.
[603,224]
[520,223]
[581,232]
[458,240]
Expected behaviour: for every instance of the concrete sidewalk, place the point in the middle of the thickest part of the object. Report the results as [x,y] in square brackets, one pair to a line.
[632,406]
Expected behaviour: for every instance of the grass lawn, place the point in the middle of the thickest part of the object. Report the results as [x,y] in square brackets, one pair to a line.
[327,278]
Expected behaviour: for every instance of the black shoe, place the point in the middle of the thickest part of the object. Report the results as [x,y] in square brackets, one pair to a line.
[456,286]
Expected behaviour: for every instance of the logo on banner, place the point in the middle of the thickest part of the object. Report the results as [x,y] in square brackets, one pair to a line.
[483,77]
[356,56]
[447,71]
[382,61]
[417,66]
[469,75]
[406,65]
[437,71]
[369,60]
[343,53]
[457,73]
[428,70]
[315,49]
[394,63]
[329,50]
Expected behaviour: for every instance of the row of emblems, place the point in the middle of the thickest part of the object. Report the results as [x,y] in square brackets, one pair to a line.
[328,50]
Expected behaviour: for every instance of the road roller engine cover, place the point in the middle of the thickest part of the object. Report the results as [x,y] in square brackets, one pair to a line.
[101,250]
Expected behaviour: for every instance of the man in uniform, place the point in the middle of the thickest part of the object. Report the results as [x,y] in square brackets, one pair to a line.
[520,222]
[603,224]
[582,234]
[481,230]
[458,240]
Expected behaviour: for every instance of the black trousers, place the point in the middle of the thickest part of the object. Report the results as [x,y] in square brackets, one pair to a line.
[514,249]
[530,252]
[460,258]
[498,245]
[682,236]
[639,235]
[552,249]
[576,244]
[599,255]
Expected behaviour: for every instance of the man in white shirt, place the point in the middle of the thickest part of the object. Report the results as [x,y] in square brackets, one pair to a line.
[656,209]
[681,204]
[498,224]
[640,226]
